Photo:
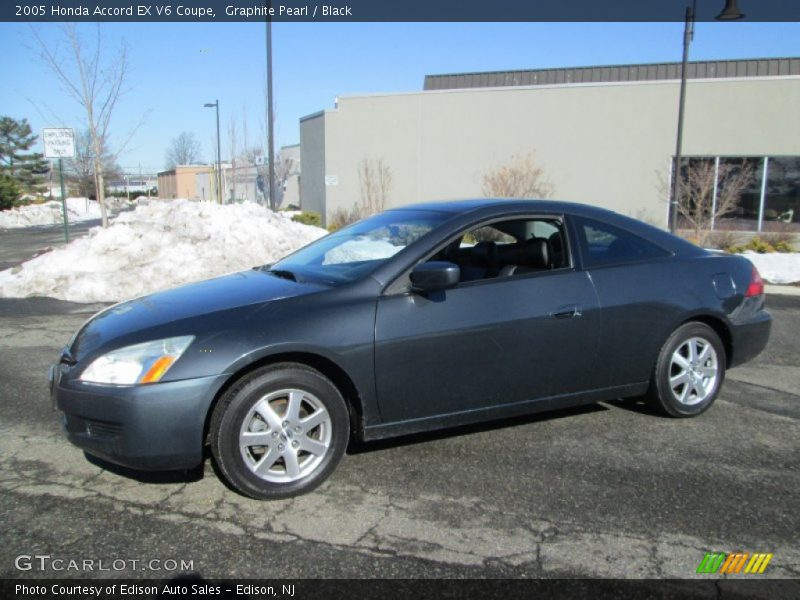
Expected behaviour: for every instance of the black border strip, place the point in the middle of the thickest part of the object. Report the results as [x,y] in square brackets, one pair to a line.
[383,10]
[194,586]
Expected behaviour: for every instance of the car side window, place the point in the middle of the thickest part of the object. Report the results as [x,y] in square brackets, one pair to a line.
[508,249]
[604,244]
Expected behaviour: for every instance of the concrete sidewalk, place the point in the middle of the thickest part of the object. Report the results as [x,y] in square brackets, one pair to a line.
[783,290]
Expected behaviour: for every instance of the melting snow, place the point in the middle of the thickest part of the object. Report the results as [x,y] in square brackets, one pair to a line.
[157,246]
[49,213]
[777,267]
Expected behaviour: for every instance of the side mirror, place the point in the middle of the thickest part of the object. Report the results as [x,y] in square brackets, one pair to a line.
[434,276]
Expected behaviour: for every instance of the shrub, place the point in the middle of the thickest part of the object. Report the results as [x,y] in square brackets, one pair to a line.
[308,217]
[762,246]
[722,240]
[520,177]
[780,240]
[342,217]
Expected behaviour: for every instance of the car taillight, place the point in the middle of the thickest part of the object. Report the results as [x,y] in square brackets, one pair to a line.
[756,287]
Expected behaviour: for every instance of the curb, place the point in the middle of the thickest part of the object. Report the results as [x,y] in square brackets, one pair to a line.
[782,290]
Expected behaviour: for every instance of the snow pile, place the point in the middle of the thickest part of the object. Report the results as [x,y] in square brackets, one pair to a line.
[49,213]
[360,249]
[777,267]
[158,246]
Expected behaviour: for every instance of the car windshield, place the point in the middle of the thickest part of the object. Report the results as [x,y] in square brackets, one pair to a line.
[359,249]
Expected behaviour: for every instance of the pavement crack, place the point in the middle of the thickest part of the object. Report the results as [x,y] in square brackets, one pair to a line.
[91,479]
[168,497]
[655,560]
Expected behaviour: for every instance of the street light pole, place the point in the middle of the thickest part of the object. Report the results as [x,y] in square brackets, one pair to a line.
[215,104]
[270,141]
[729,13]
[688,34]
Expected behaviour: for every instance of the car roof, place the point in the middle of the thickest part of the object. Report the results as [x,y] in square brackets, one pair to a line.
[472,204]
[497,206]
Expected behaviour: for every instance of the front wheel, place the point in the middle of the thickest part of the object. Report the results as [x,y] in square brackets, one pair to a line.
[279,432]
[689,372]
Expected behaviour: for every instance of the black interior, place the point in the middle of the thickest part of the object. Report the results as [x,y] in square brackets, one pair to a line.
[488,259]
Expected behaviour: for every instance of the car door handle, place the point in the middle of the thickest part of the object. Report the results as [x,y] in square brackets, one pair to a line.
[566,312]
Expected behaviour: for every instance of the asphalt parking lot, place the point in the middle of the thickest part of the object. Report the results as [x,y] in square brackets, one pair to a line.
[608,490]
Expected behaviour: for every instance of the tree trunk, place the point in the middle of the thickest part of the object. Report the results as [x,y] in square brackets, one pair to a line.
[99,184]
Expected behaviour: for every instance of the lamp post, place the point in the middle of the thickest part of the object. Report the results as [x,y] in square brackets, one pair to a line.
[215,104]
[730,13]
[270,141]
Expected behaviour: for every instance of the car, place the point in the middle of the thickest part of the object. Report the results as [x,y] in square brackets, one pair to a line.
[421,317]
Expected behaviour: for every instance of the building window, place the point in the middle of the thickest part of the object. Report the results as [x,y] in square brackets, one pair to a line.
[782,201]
[745,174]
[765,191]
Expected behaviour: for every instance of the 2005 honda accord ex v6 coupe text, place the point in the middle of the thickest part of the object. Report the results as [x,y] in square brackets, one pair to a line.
[418,318]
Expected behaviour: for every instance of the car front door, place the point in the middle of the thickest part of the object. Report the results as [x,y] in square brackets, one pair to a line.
[485,343]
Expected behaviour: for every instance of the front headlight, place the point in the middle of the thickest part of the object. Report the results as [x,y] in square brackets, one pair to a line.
[142,363]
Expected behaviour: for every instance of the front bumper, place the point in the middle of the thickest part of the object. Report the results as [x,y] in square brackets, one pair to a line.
[151,427]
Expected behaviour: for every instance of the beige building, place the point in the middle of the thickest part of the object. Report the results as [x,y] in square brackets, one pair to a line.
[290,159]
[181,182]
[245,181]
[602,135]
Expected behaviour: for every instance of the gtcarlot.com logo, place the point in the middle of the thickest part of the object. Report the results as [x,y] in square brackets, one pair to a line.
[734,563]
[46,562]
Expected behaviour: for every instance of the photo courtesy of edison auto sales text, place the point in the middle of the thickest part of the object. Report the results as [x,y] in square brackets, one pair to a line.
[163,589]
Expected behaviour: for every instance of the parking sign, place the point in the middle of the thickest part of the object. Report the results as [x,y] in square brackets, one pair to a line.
[58,142]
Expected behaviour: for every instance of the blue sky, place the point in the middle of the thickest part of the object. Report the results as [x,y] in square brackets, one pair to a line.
[175,68]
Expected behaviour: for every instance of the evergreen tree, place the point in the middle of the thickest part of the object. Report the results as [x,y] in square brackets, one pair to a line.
[9,191]
[23,167]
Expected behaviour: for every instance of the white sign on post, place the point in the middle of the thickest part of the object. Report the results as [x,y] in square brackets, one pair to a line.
[58,143]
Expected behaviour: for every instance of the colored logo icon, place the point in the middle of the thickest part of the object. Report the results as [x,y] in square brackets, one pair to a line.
[734,563]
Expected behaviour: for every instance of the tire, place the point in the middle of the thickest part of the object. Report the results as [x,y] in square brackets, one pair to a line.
[686,384]
[279,431]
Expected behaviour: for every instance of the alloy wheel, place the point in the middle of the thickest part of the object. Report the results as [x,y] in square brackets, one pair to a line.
[285,435]
[694,371]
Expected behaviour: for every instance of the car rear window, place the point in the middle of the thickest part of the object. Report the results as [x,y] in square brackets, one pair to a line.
[603,244]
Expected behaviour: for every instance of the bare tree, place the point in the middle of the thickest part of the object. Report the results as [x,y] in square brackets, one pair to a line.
[521,177]
[94,77]
[696,204]
[285,168]
[375,180]
[233,148]
[183,150]
[81,167]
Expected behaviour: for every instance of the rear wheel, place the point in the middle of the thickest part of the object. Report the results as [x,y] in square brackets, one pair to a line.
[689,372]
[279,432]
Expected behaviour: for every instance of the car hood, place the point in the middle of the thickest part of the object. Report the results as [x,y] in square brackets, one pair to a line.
[158,312]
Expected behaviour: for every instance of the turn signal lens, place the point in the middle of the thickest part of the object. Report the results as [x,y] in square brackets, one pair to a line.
[158,369]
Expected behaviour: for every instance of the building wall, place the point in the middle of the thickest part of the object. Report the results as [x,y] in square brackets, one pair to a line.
[181,182]
[291,191]
[312,159]
[205,186]
[606,144]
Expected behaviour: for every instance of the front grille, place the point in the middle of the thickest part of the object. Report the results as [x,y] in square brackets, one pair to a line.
[103,430]
[99,430]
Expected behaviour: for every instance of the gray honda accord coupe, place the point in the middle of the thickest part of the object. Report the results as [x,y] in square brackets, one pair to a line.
[418,318]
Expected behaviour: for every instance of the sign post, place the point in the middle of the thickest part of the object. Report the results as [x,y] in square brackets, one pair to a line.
[60,143]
